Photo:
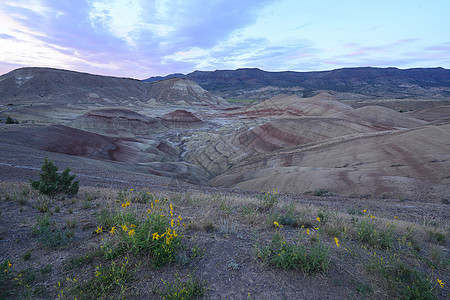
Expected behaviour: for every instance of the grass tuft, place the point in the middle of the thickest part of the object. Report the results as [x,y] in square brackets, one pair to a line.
[190,288]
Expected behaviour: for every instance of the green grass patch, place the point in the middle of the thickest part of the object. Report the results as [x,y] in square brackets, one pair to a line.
[377,237]
[287,255]
[189,288]
[48,235]
[106,281]
[269,199]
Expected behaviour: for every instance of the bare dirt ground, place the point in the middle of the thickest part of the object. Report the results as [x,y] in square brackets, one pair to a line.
[225,229]
[22,164]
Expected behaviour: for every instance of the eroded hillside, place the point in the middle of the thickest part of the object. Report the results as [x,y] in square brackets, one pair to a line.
[176,130]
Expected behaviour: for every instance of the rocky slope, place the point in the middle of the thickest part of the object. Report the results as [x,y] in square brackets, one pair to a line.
[118,122]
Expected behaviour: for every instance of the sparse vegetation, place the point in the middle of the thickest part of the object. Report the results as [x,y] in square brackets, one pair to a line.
[27,255]
[127,238]
[49,235]
[190,288]
[105,281]
[320,192]
[269,199]
[295,255]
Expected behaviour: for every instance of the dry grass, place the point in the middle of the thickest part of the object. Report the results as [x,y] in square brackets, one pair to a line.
[218,251]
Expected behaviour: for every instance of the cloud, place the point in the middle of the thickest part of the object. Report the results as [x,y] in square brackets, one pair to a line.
[141,38]
[5,36]
[398,53]
[134,34]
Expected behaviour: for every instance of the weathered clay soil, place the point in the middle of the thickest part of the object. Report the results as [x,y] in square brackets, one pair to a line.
[213,159]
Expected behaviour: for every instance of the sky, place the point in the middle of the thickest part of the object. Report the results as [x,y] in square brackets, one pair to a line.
[144,38]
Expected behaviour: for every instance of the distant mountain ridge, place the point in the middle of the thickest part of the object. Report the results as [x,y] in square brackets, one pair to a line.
[56,86]
[373,82]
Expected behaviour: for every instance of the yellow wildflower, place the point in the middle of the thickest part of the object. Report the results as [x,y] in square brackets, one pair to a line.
[151,204]
[336,241]
[132,225]
[316,228]
[156,200]
[318,219]
[395,217]
[149,211]
[307,230]
[180,218]
[276,224]
[372,217]
[171,223]
[9,265]
[155,236]
[131,232]
[99,229]
[124,227]
[131,190]
[440,283]
[364,210]
[113,230]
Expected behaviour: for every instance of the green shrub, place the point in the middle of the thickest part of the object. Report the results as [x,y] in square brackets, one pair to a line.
[320,192]
[27,255]
[52,183]
[10,120]
[157,234]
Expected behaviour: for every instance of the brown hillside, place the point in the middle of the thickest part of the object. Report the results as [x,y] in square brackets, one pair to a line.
[118,122]
[394,161]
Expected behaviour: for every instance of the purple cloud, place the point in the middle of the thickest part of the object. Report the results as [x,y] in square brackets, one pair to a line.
[5,36]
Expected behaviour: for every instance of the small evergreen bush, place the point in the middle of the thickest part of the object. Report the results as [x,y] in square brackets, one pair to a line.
[10,120]
[52,183]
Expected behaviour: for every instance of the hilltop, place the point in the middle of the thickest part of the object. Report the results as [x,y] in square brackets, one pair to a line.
[46,86]
[253,83]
